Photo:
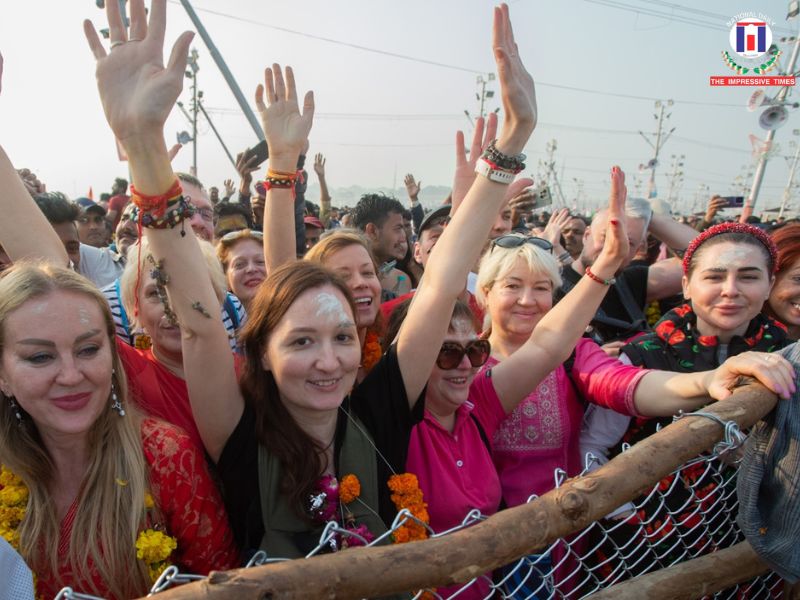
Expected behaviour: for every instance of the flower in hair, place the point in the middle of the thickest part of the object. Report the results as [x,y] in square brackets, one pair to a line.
[722,228]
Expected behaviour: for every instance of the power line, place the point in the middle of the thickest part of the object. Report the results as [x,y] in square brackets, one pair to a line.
[446,65]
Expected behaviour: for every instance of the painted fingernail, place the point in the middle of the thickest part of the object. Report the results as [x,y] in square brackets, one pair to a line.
[614,170]
[614,222]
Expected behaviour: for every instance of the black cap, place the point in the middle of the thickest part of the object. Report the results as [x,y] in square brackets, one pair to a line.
[436,213]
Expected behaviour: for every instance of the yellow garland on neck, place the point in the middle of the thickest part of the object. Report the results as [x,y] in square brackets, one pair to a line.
[153,547]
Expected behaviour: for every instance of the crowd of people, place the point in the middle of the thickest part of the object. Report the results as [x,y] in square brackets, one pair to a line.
[189,377]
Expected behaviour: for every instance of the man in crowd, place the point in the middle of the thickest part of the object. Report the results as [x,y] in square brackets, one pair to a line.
[621,314]
[231,216]
[119,199]
[381,219]
[100,265]
[92,228]
[572,233]
[314,229]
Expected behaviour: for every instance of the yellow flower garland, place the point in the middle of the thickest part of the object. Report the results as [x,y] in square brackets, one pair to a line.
[153,547]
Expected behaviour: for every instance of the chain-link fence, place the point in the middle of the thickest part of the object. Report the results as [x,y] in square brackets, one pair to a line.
[689,513]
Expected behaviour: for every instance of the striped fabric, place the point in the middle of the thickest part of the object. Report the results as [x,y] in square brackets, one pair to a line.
[769,484]
[233,315]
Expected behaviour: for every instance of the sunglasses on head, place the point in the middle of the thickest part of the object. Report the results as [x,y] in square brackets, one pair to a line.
[451,353]
[515,241]
[232,236]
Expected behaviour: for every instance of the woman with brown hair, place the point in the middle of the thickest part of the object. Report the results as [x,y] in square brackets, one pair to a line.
[784,298]
[302,345]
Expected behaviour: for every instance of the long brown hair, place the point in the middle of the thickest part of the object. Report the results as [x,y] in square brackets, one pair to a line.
[300,455]
[109,514]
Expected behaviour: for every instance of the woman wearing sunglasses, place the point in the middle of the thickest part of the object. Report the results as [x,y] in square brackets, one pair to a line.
[241,254]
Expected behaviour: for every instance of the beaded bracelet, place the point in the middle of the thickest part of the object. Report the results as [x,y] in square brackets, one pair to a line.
[506,162]
[174,214]
[599,280]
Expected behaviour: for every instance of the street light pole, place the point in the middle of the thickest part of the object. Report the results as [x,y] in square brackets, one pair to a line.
[762,162]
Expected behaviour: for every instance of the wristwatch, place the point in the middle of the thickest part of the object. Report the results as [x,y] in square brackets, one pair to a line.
[492,173]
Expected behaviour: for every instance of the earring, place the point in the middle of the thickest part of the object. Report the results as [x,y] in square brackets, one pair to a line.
[115,403]
[15,409]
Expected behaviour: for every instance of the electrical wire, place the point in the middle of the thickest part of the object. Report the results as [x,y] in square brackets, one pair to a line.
[446,65]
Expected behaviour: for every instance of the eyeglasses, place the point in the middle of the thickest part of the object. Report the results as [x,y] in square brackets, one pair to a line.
[232,236]
[515,241]
[204,211]
[451,353]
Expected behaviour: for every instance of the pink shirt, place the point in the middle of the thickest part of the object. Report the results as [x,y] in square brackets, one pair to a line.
[542,433]
[455,470]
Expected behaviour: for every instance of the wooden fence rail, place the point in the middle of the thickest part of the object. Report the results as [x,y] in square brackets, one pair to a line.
[497,541]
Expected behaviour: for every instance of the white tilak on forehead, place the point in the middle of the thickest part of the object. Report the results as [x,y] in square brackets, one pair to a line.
[83,316]
[735,256]
[329,305]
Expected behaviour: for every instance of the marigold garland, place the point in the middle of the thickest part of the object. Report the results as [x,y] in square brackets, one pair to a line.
[152,547]
[406,493]
[349,489]
[13,504]
[371,351]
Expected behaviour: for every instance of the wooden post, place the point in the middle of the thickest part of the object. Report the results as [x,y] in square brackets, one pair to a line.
[691,579]
[501,539]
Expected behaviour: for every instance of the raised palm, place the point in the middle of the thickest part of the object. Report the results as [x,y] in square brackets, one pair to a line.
[285,128]
[136,89]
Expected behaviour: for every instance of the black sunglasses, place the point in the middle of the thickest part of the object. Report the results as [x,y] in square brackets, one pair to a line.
[515,241]
[451,353]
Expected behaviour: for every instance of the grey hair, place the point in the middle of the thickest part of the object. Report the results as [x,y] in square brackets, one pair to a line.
[635,208]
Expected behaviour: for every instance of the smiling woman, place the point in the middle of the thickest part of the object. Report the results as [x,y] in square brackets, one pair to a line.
[84,458]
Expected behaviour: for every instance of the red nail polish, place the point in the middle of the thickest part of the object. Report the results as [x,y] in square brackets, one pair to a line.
[614,222]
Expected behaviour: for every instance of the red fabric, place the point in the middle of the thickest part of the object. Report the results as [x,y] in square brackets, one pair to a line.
[388,307]
[187,498]
[157,391]
[118,203]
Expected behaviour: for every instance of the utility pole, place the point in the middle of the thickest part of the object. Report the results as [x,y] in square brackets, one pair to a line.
[779,100]
[226,73]
[482,95]
[787,191]
[676,177]
[661,139]
[191,73]
[550,170]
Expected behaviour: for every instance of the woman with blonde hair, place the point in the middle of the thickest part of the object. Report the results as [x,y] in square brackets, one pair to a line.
[94,496]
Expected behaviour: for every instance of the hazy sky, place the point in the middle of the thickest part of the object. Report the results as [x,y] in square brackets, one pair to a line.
[380,115]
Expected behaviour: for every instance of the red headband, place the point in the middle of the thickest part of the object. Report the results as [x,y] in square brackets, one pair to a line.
[757,233]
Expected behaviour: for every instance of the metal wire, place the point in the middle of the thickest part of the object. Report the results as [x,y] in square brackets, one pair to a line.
[689,513]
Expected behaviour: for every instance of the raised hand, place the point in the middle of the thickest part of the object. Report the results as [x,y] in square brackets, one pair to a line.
[715,204]
[772,370]
[516,86]
[319,165]
[412,187]
[136,90]
[229,187]
[245,165]
[173,151]
[465,165]
[615,247]
[555,224]
[285,128]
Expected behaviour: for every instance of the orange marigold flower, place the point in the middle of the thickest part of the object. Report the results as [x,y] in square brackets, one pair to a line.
[349,488]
